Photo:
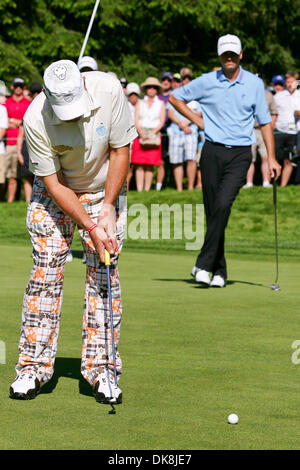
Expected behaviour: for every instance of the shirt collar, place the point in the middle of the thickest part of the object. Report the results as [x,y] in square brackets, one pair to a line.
[222,77]
[155,98]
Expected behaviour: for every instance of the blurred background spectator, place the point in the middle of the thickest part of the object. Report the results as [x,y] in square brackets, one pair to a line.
[87,64]
[124,84]
[259,147]
[133,93]
[176,81]
[16,106]
[150,117]
[166,81]
[286,126]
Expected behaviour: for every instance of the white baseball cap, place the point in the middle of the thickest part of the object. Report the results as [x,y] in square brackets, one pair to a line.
[87,61]
[64,87]
[133,87]
[229,42]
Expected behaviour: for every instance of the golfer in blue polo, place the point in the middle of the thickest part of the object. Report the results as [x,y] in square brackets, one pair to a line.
[230,100]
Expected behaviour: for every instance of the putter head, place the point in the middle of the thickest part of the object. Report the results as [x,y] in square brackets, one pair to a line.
[274,287]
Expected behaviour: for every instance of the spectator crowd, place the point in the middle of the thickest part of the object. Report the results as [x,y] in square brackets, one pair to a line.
[168,146]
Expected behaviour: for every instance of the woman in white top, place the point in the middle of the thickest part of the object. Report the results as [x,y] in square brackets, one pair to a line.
[133,92]
[150,115]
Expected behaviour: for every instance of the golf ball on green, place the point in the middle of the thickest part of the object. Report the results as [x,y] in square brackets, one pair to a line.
[233,418]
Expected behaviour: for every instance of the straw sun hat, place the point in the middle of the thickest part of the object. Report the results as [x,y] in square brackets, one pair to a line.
[152,81]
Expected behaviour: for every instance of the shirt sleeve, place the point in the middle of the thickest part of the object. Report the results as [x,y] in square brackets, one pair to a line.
[190,92]
[297,104]
[123,130]
[261,111]
[3,118]
[42,160]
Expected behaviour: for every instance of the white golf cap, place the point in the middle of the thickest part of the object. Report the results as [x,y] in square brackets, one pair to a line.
[133,87]
[229,42]
[87,62]
[64,87]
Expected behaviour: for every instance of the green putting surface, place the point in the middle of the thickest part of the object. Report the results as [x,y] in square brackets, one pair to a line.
[191,356]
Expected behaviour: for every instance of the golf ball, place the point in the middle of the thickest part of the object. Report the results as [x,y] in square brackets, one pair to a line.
[233,418]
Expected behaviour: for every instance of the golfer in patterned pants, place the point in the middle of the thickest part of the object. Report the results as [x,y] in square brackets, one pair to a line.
[78,143]
[51,233]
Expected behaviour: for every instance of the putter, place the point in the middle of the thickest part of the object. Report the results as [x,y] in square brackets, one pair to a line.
[275,286]
[107,264]
[89,29]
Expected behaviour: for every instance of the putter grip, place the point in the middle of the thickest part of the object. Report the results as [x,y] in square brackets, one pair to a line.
[106,258]
[274,189]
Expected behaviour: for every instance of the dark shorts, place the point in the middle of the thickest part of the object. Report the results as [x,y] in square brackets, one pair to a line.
[285,145]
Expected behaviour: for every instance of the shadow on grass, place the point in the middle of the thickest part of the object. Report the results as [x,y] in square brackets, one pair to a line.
[200,286]
[77,254]
[67,367]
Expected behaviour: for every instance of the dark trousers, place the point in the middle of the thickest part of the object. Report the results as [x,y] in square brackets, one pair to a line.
[223,171]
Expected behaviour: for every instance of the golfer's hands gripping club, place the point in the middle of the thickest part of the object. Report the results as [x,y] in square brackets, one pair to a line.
[104,235]
[275,169]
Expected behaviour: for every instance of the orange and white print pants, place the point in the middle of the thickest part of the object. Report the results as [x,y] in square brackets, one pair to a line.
[51,232]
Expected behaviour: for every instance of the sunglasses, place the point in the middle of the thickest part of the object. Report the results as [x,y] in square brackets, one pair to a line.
[18,85]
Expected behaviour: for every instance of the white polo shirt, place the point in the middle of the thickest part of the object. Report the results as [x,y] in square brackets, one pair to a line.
[287,103]
[81,148]
[3,125]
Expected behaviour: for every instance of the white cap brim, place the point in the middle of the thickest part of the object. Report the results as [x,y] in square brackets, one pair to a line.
[236,49]
[72,111]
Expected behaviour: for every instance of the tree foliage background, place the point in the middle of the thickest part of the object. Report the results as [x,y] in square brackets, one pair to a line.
[137,38]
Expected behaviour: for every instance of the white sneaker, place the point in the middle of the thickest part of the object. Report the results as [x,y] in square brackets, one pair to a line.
[194,271]
[217,281]
[266,184]
[248,185]
[69,257]
[106,391]
[117,393]
[25,387]
[202,277]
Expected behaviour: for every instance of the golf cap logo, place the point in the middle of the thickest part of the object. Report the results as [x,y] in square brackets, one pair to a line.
[68,98]
[60,72]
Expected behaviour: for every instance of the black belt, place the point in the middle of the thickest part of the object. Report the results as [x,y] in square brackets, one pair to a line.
[227,146]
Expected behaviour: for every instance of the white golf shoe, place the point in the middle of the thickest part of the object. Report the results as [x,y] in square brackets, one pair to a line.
[25,387]
[202,277]
[217,281]
[106,391]
[194,271]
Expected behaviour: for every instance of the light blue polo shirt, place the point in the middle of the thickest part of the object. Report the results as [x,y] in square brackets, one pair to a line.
[229,108]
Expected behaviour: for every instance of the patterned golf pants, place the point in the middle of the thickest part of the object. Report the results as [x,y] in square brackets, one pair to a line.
[51,232]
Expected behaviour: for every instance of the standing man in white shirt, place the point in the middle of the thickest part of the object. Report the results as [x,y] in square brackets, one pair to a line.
[78,134]
[286,125]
